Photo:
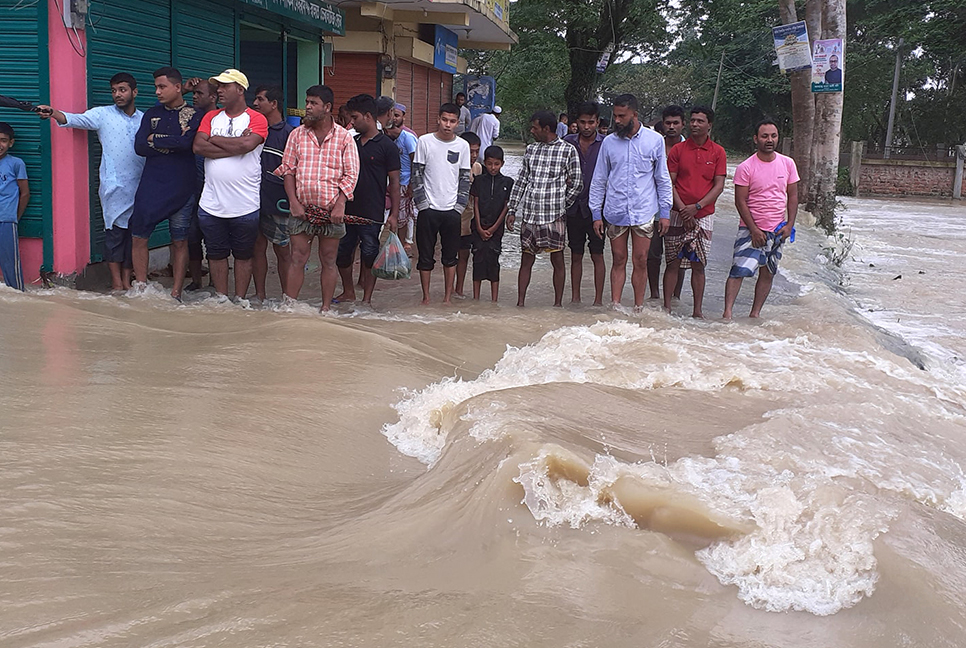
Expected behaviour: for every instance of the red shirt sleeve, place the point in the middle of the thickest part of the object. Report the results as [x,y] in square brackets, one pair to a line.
[206,122]
[257,123]
[674,158]
[721,164]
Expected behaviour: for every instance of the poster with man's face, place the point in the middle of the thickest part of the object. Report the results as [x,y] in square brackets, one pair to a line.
[828,65]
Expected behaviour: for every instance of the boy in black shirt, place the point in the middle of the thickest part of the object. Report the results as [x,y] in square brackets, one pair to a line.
[489,193]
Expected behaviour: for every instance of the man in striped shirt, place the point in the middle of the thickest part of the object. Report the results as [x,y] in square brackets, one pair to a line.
[549,183]
[320,168]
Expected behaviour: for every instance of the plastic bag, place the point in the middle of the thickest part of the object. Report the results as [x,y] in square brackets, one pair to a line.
[392,262]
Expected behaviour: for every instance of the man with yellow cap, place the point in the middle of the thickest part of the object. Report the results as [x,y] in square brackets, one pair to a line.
[231,141]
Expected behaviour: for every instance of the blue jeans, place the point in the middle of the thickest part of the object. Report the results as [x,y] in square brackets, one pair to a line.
[367,236]
[235,236]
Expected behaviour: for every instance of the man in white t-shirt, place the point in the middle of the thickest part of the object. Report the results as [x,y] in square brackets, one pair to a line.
[231,142]
[441,189]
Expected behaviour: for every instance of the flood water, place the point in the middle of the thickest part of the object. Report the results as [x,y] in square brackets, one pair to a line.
[482,475]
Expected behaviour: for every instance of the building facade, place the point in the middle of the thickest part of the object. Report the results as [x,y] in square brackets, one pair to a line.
[63,52]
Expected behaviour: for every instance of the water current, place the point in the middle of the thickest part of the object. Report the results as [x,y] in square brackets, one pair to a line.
[481,475]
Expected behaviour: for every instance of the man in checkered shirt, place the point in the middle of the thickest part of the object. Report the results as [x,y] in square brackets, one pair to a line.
[549,183]
[320,168]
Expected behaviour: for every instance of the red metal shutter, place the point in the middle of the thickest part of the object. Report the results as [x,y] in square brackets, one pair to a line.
[420,123]
[434,91]
[351,74]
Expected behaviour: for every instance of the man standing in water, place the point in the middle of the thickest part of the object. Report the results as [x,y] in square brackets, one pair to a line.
[465,117]
[580,222]
[320,168]
[231,141]
[169,182]
[766,186]
[698,168]
[549,183]
[120,169]
[378,169]
[632,175]
[441,190]
[204,99]
[273,214]
[672,127]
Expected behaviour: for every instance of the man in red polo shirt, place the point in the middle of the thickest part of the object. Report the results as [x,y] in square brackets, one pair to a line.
[698,168]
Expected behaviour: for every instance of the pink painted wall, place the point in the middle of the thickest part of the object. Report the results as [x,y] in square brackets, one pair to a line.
[69,173]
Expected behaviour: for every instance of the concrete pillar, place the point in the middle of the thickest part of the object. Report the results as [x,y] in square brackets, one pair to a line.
[855,166]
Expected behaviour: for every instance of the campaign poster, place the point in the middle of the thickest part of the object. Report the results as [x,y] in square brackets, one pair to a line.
[480,94]
[791,45]
[828,65]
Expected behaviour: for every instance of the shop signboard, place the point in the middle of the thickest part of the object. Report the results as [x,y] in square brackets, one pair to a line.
[447,48]
[315,12]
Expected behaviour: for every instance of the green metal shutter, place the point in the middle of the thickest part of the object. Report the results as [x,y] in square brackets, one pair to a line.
[23,41]
[204,38]
[127,36]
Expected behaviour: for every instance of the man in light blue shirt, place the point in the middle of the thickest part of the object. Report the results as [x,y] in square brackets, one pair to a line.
[632,175]
[120,169]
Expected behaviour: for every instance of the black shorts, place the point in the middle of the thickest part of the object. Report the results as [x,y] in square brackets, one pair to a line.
[580,232]
[117,246]
[486,261]
[445,226]
[466,242]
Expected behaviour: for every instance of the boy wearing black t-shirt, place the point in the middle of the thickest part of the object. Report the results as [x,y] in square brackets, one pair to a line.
[489,193]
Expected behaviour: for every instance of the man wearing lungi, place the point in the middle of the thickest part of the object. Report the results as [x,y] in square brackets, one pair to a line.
[766,185]
[698,168]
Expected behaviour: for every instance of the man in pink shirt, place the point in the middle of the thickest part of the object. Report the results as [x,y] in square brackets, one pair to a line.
[766,185]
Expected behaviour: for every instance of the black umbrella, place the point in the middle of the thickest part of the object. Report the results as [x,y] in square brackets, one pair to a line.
[10,102]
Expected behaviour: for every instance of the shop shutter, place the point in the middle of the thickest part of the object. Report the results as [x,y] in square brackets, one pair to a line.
[204,38]
[129,36]
[448,87]
[404,88]
[351,74]
[20,77]
[435,96]
[420,122]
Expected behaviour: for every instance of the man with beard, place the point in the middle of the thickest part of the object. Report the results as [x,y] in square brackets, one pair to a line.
[766,187]
[320,168]
[120,169]
[632,175]
[465,117]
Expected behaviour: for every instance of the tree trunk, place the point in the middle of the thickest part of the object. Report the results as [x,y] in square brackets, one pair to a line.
[828,128]
[583,77]
[813,20]
[803,109]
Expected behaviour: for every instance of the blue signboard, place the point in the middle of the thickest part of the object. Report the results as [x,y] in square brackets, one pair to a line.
[480,94]
[447,44]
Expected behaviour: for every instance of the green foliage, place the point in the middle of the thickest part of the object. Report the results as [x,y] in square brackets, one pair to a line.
[843,183]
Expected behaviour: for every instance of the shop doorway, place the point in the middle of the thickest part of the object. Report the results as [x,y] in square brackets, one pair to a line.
[270,54]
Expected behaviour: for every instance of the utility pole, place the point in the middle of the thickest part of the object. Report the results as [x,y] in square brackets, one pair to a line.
[714,102]
[892,106]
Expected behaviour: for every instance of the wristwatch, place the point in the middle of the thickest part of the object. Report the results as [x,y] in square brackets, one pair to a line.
[698,205]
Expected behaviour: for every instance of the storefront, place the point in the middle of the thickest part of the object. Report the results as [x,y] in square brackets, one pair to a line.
[67,59]
[405,49]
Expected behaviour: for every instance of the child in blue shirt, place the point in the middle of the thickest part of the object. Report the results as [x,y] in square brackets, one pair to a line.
[14,195]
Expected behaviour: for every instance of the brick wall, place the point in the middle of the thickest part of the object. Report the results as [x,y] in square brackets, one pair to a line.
[907,178]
